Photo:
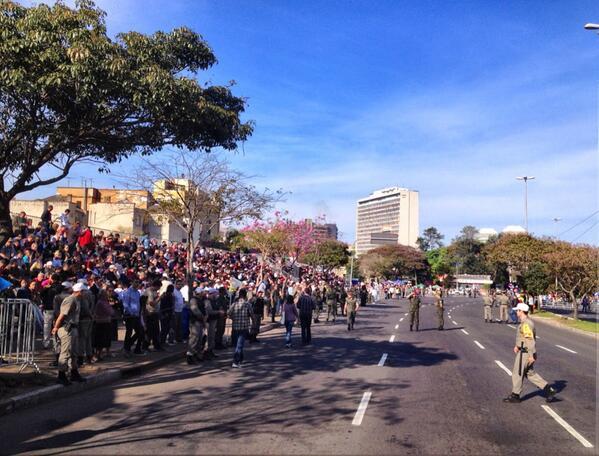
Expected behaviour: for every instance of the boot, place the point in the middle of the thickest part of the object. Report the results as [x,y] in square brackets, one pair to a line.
[54,363]
[348,327]
[410,327]
[76,376]
[191,359]
[62,379]
[550,393]
[512,398]
[198,358]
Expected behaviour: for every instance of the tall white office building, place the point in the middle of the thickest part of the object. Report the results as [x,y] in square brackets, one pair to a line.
[387,216]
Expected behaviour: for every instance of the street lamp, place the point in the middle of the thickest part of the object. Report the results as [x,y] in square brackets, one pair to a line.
[556,220]
[591,26]
[525,179]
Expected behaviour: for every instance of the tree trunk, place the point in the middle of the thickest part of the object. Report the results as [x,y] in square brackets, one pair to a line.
[575,304]
[190,250]
[5,220]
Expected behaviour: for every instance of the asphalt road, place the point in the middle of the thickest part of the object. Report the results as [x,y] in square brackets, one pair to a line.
[436,392]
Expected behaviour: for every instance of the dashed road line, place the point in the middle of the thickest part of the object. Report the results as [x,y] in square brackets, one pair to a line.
[564,348]
[383,359]
[505,369]
[406,314]
[392,338]
[401,319]
[510,326]
[396,326]
[361,409]
[479,345]
[454,322]
[567,427]
[464,331]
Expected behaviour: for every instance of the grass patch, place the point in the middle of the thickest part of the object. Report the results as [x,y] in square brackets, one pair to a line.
[589,326]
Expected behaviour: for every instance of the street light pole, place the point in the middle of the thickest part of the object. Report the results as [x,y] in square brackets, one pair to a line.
[525,179]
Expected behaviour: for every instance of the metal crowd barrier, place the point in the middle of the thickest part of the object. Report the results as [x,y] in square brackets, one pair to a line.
[17,333]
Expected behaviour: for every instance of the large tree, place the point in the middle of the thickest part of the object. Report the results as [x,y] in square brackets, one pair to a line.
[465,252]
[392,261]
[199,192]
[575,268]
[431,239]
[69,93]
[327,254]
[514,253]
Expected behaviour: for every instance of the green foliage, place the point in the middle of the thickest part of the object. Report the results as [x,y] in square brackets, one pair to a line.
[328,254]
[431,239]
[536,279]
[514,252]
[465,253]
[439,261]
[69,93]
[392,261]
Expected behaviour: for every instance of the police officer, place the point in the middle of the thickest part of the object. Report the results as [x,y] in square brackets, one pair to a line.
[331,297]
[66,328]
[487,307]
[504,302]
[221,303]
[197,322]
[526,355]
[440,306]
[414,299]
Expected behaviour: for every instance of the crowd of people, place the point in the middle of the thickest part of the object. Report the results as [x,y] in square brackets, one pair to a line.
[87,285]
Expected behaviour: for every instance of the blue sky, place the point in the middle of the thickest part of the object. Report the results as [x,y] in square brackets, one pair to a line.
[450,98]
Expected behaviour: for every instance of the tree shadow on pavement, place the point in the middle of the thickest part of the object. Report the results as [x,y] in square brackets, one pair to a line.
[252,400]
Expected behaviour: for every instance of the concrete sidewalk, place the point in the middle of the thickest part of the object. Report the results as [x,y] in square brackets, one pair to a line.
[31,388]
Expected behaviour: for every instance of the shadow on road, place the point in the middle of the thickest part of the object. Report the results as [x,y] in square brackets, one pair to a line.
[254,399]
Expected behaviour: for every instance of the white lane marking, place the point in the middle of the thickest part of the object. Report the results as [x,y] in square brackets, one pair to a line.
[564,348]
[510,326]
[396,326]
[401,319]
[454,322]
[406,314]
[567,427]
[479,345]
[361,409]
[450,316]
[464,331]
[383,359]
[392,338]
[505,369]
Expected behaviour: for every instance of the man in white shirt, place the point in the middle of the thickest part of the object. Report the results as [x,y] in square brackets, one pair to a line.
[178,314]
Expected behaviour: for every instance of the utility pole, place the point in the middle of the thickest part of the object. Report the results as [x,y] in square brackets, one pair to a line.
[525,179]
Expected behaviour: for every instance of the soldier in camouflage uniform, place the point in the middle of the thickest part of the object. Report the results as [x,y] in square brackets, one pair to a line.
[440,306]
[526,355]
[331,297]
[414,298]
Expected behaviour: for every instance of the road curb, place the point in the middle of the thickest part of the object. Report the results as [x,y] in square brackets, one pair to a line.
[102,378]
[551,322]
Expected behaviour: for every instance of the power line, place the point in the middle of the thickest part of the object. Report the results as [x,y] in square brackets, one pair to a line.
[579,223]
[586,231]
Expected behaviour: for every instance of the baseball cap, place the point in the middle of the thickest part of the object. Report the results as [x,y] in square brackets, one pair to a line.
[67,285]
[79,286]
[523,307]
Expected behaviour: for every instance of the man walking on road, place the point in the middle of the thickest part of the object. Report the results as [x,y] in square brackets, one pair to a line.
[306,306]
[439,305]
[526,355]
[240,313]
[414,299]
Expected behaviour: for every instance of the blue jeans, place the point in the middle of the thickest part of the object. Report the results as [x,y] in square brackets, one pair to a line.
[238,338]
[288,328]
